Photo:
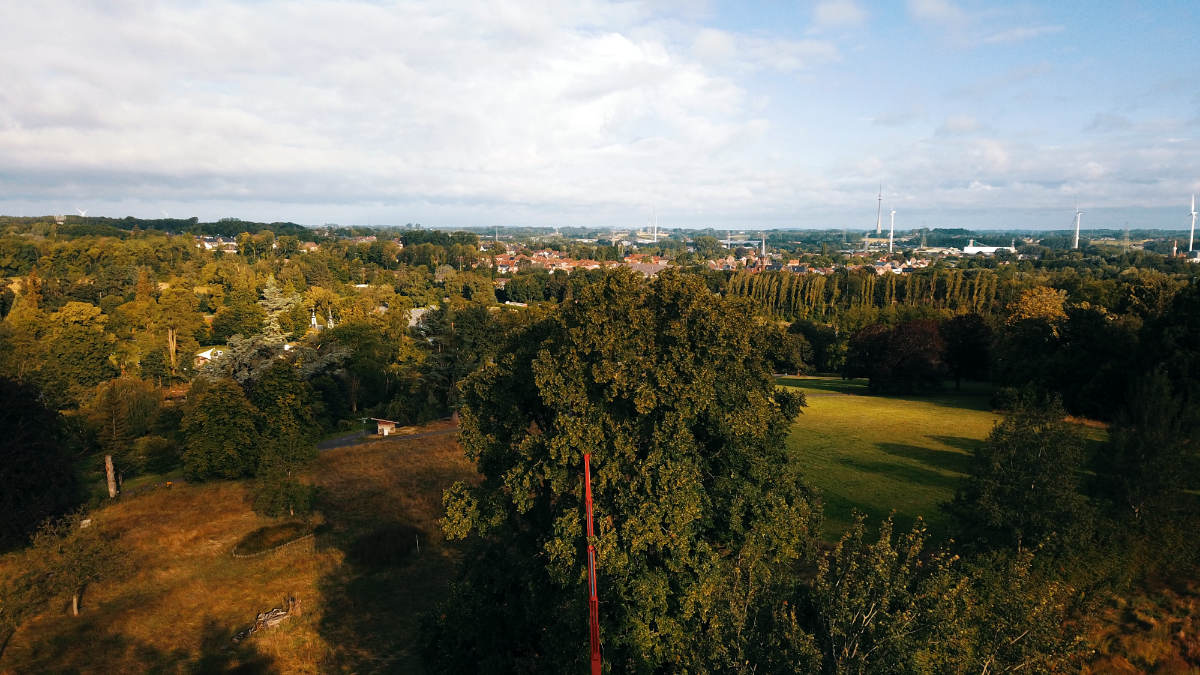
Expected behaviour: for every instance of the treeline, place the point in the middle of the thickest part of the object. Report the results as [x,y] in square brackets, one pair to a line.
[861,295]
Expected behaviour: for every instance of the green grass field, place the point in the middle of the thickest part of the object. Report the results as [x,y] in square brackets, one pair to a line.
[879,454]
[885,454]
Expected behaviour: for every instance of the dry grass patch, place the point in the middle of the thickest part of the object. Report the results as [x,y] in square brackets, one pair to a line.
[184,594]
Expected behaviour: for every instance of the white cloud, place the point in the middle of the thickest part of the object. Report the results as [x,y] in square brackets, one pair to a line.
[1020,34]
[938,11]
[727,51]
[503,112]
[358,101]
[838,13]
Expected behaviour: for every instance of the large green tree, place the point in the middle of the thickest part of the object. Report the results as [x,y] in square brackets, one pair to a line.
[700,518]
[1023,488]
[219,426]
[287,429]
[36,469]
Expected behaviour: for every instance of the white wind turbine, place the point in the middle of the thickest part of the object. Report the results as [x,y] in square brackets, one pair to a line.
[82,212]
[1078,217]
[1192,233]
[892,230]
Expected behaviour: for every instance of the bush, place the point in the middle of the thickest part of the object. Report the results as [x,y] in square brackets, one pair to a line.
[277,494]
[150,454]
[1005,398]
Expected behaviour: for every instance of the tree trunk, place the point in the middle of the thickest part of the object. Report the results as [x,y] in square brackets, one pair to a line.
[111,474]
[75,603]
[171,344]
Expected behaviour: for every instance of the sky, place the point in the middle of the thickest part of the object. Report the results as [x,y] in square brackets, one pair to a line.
[741,114]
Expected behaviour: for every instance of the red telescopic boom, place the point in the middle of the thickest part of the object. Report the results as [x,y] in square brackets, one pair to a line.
[593,600]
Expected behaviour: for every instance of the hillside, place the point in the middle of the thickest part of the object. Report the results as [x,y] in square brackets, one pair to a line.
[360,584]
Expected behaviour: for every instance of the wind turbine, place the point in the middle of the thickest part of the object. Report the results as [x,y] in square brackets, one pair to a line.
[82,212]
[892,230]
[1192,234]
[879,213]
[1078,217]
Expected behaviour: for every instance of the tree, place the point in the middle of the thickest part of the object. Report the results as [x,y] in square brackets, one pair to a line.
[708,247]
[1039,302]
[242,316]
[788,352]
[828,350]
[968,341]
[179,319]
[121,410]
[897,606]
[701,518]
[889,606]
[1023,486]
[906,358]
[37,479]
[277,304]
[1151,457]
[219,427]
[459,340]
[78,348]
[287,429]
[72,553]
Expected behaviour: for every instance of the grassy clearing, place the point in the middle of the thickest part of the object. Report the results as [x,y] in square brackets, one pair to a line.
[185,595]
[879,454]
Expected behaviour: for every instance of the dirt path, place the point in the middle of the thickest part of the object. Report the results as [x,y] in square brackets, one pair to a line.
[362,437]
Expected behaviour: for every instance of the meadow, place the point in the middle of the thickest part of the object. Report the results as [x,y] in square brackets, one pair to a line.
[888,454]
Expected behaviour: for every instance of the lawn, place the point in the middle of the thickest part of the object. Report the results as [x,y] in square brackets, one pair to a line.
[878,454]
[884,454]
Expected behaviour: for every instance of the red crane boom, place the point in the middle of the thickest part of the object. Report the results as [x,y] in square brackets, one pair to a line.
[593,600]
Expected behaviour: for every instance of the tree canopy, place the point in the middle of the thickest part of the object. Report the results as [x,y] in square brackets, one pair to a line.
[699,514]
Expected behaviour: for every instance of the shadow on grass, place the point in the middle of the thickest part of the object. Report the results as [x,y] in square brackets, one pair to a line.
[967,445]
[904,473]
[834,385]
[947,460]
[383,515]
[86,649]
[973,396]
[373,601]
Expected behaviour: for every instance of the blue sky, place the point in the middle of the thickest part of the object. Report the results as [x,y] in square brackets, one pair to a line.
[771,114]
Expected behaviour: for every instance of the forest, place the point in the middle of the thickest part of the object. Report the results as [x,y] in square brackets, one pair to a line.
[128,340]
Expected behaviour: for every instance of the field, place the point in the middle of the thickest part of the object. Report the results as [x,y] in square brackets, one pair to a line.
[360,583]
[879,454]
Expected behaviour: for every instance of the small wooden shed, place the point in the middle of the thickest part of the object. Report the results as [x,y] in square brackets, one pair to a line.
[384,427]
